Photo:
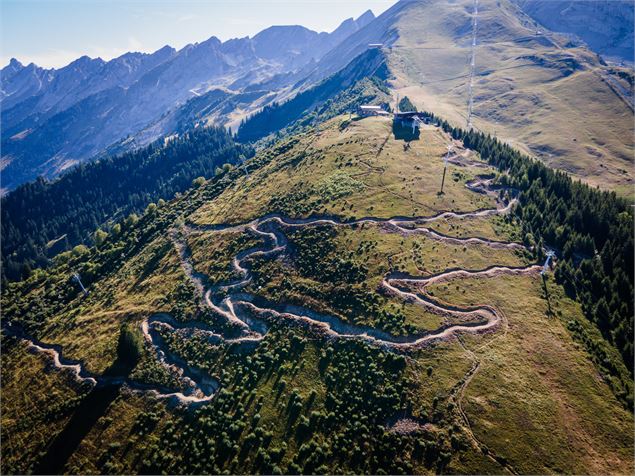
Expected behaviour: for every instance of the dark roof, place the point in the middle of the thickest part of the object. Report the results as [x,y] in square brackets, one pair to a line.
[409,115]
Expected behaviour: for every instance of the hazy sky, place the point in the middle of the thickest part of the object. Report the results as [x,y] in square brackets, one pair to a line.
[52,33]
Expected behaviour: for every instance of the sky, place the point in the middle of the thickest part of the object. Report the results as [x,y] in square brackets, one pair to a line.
[52,33]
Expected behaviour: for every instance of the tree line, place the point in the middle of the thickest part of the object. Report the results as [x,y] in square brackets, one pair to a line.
[43,218]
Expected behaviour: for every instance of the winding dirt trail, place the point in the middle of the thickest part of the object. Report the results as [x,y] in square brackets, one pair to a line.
[81,375]
[247,314]
[240,307]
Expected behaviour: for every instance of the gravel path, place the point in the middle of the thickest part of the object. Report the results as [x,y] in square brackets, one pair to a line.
[246,312]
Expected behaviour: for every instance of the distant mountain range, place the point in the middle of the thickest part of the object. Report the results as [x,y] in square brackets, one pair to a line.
[527,85]
[54,118]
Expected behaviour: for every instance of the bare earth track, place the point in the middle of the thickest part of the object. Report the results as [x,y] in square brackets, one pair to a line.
[246,312]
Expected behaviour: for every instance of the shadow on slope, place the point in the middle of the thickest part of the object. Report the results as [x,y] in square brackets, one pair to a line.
[93,407]
[405,131]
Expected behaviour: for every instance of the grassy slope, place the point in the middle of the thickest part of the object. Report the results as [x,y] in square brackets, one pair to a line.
[212,253]
[531,376]
[535,399]
[525,90]
[384,185]
[89,329]
[395,182]
[383,252]
[30,418]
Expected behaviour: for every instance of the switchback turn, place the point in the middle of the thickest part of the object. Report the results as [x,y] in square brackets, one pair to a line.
[247,313]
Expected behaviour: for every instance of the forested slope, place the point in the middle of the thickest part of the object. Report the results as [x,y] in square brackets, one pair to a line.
[42,218]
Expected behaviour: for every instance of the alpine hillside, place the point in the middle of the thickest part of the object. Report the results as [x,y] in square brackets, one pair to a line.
[545,92]
[325,309]
[402,247]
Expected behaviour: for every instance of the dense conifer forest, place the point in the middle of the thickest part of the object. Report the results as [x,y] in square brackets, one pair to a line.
[41,219]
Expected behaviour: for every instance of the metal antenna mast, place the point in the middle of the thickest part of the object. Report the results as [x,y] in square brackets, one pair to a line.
[470,100]
[545,267]
[79,281]
[445,166]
